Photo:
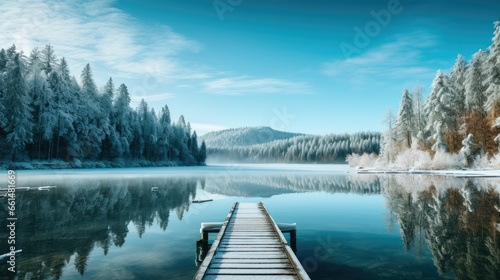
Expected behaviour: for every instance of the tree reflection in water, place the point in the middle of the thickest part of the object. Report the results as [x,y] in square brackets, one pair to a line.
[81,216]
[458,219]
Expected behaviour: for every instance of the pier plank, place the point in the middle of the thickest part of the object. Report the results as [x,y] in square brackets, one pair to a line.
[250,245]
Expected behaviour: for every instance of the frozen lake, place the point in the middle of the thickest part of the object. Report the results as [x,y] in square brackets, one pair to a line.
[109,224]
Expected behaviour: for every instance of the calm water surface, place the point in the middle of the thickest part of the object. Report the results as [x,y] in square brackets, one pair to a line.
[108,224]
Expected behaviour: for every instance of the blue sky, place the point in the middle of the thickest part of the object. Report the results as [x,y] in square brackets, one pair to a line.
[298,66]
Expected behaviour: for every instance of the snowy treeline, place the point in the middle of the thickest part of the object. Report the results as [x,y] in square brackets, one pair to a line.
[328,148]
[245,136]
[459,123]
[45,114]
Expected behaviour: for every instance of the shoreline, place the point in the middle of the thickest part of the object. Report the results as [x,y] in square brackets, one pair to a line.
[459,173]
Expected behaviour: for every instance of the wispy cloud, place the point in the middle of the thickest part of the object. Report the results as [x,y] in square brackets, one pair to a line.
[152,97]
[242,85]
[203,128]
[95,31]
[402,58]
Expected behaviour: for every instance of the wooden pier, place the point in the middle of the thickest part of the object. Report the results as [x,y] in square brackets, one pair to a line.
[250,245]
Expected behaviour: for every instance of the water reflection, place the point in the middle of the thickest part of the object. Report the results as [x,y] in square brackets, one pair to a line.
[458,219]
[267,186]
[79,217]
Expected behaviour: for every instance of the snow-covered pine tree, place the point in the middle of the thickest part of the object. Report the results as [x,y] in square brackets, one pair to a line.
[18,110]
[492,105]
[110,147]
[164,133]
[477,121]
[3,60]
[91,120]
[49,60]
[148,128]
[180,143]
[202,155]
[3,66]
[442,111]
[475,85]
[122,118]
[67,112]
[439,145]
[457,79]
[388,146]
[194,146]
[420,118]
[44,114]
[137,144]
[405,122]
[54,81]
[467,150]
[11,52]
[144,120]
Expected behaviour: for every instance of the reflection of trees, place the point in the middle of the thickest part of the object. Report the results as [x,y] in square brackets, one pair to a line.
[76,218]
[267,186]
[458,223]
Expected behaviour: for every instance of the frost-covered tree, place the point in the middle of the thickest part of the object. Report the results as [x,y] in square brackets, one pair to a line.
[194,145]
[67,112]
[49,59]
[111,146]
[181,136]
[418,110]
[18,110]
[457,79]
[3,66]
[122,120]
[388,146]
[164,134]
[3,60]
[405,122]
[467,150]
[137,143]
[202,155]
[493,79]
[92,121]
[44,114]
[439,145]
[442,109]
[12,52]
[54,81]
[477,120]
[148,128]
[475,84]
[2,102]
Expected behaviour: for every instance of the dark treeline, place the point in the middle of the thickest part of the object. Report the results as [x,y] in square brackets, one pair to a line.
[45,114]
[324,149]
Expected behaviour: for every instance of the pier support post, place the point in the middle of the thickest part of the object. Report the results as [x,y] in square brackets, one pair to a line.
[293,240]
[201,251]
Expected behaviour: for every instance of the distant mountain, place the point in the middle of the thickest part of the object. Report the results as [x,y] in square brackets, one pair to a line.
[247,136]
[266,145]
